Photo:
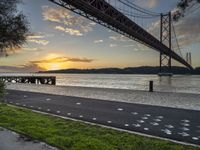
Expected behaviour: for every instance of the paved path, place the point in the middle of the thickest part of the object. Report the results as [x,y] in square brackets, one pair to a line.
[166,99]
[12,141]
[176,124]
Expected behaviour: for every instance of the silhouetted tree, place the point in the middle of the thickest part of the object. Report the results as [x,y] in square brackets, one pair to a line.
[13,26]
[182,6]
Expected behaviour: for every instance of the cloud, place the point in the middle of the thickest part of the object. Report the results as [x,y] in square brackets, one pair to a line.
[63,20]
[42,42]
[148,4]
[62,60]
[31,49]
[188,29]
[23,68]
[38,39]
[98,41]
[69,30]
[120,38]
[113,45]
[129,45]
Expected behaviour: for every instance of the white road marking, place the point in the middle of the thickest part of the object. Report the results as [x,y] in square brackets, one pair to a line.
[186,121]
[24,105]
[109,121]
[184,134]
[185,124]
[78,103]
[134,113]
[126,125]
[145,118]
[147,115]
[69,114]
[160,117]
[146,129]
[140,121]
[94,118]
[195,138]
[10,102]
[169,126]
[58,111]
[120,109]
[157,120]
[185,129]
[39,108]
[31,106]
[154,123]
[167,131]
[48,99]
[136,125]
[48,109]
[25,96]
[81,116]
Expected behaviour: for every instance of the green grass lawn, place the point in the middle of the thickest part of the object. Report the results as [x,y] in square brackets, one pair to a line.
[72,135]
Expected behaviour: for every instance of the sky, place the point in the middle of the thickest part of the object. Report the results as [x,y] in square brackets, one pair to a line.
[60,39]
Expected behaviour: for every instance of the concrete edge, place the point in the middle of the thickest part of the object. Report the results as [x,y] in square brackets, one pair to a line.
[109,127]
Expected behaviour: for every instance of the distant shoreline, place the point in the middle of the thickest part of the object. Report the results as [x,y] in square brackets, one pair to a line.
[130,70]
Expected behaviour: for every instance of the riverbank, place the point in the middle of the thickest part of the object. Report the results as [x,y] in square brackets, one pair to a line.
[66,134]
[165,99]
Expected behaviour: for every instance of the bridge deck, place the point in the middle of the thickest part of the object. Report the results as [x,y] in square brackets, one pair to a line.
[103,13]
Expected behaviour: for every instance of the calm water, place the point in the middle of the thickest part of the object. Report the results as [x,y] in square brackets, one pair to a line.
[179,83]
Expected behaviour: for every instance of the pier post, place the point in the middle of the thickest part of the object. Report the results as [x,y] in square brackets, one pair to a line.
[150,86]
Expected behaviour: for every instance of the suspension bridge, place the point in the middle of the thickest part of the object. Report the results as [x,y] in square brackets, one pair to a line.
[154,30]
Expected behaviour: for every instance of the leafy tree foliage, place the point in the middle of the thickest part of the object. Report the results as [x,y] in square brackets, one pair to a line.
[182,8]
[14,26]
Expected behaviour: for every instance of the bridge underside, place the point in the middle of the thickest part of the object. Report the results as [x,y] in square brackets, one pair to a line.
[104,14]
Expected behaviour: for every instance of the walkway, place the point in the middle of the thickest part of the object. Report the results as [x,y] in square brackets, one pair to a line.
[176,124]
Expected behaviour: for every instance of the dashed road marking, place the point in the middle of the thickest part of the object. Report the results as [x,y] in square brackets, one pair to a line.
[184,134]
[145,118]
[169,126]
[154,123]
[167,131]
[136,125]
[195,138]
[140,121]
[120,109]
[134,113]
[109,121]
[185,129]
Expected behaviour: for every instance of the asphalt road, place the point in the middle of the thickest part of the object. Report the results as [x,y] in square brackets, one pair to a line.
[176,124]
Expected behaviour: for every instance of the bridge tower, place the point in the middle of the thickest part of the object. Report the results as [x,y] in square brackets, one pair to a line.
[165,38]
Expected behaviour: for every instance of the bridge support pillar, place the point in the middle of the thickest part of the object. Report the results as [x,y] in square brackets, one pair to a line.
[165,38]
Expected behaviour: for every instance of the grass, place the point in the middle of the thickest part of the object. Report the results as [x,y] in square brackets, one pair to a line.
[73,135]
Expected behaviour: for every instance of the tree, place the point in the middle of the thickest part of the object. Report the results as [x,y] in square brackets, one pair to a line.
[14,26]
[182,7]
